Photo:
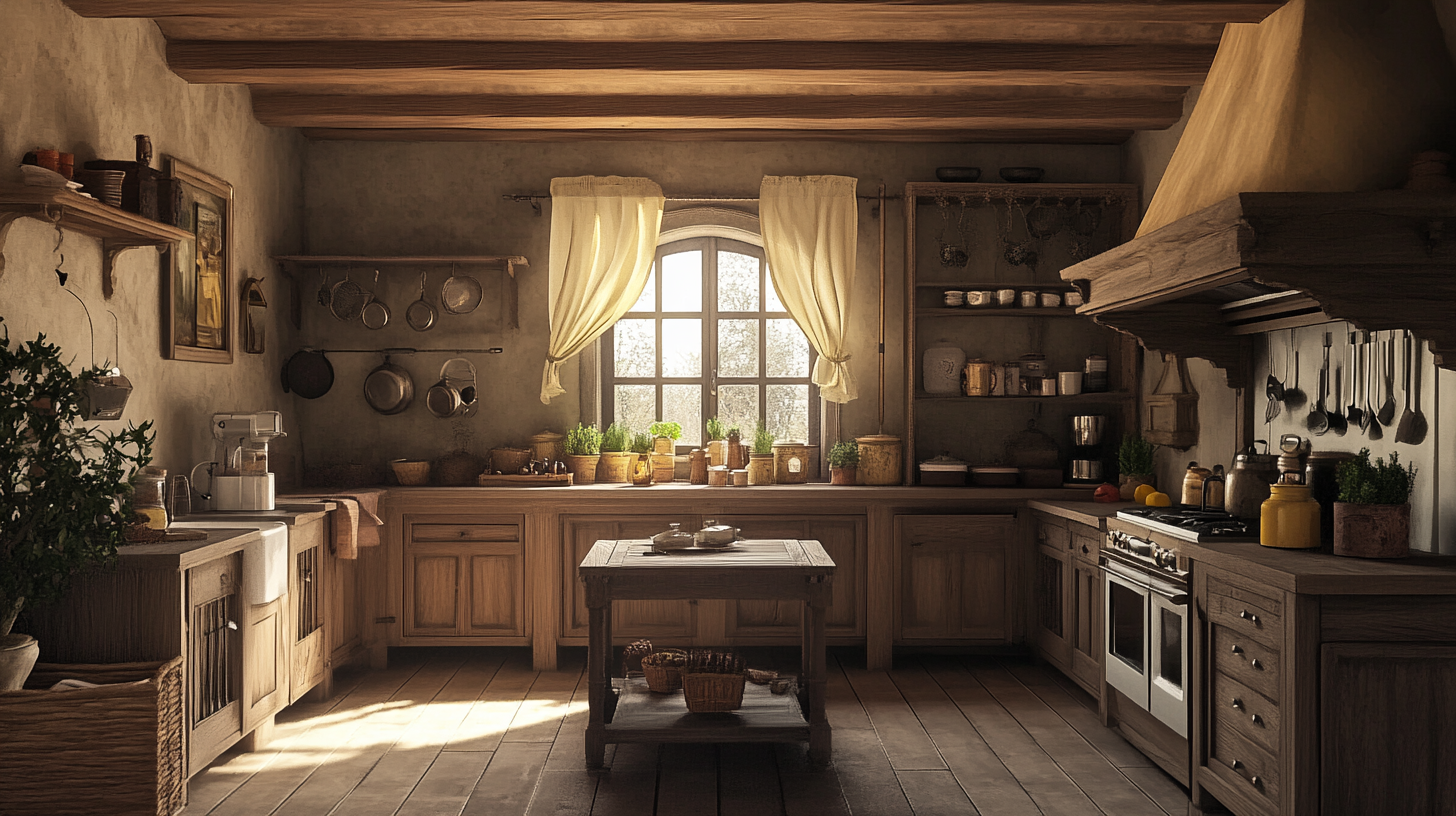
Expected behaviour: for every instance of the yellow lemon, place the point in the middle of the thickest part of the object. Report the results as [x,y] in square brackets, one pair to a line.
[1143,492]
[1156,499]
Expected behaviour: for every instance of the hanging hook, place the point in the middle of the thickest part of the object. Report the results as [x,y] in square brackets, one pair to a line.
[116,342]
[91,327]
[60,237]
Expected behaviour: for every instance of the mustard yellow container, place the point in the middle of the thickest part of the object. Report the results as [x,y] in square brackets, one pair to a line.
[1289,518]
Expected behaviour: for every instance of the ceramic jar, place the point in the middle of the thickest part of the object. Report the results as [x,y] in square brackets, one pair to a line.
[1290,518]
[760,468]
[941,369]
[879,459]
[791,463]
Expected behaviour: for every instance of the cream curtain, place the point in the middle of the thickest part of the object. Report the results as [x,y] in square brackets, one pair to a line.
[603,239]
[810,228]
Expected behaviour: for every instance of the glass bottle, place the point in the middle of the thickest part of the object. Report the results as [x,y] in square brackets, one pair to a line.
[150,484]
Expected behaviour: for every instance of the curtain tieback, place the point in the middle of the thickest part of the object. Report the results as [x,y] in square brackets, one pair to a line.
[838,360]
[551,359]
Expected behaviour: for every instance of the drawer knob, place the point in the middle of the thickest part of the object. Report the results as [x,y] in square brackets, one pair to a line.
[1084,549]
[1237,703]
[1237,649]
[1256,781]
[1256,664]
[1236,765]
[1248,616]
[1256,719]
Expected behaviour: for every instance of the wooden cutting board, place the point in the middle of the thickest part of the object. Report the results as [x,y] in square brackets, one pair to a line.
[533,480]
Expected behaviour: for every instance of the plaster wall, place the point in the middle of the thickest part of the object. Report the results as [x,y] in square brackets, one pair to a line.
[86,87]
[445,198]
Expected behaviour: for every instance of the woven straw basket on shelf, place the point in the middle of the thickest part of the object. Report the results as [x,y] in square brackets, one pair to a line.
[706,693]
[115,749]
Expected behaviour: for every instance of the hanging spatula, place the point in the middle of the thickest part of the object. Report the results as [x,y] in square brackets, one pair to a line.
[1352,411]
[1386,414]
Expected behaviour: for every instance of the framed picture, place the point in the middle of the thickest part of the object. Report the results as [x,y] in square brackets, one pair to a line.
[198,313]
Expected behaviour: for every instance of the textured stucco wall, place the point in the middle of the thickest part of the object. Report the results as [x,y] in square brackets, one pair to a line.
[87,86]
[446,199]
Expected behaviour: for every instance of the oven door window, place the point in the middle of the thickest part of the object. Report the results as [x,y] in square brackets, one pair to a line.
[1125,635]
[1166,698]
[1170,647]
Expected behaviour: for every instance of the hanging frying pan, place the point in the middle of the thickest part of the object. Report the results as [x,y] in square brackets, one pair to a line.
[375,312]
[308,373]
[460,294]
[420,315]
[389,389]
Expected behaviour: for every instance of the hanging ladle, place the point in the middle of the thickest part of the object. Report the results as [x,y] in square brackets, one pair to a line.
[1273,388]
[1318,421]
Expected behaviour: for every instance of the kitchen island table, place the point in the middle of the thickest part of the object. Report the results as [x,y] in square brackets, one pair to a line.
[767,569]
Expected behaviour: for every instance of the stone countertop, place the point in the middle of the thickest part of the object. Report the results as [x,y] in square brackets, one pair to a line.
[1320,572]
[1090,513]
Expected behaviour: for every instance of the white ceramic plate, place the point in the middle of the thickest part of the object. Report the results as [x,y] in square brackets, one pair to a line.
[37,176]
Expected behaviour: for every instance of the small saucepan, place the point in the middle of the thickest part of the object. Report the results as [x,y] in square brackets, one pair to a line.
[389,389]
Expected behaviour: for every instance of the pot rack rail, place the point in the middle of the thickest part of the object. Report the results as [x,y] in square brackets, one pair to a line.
[535,199]
[290,264]
[389,352]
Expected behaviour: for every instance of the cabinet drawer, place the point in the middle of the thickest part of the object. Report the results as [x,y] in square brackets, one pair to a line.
[1050,535]
[1237,707]
[465,532]
[1249,615]
[213,579]
[1086,545]
[1244,766]
[1245,660]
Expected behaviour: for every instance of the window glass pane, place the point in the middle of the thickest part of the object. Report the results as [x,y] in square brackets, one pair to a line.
[636,406]
[684,404]
[682,282]
[738,348]
[682,348]
[788,411]
[738,405]
[635,348]
[645,301]
[787,350]
[773,303]
[737,282]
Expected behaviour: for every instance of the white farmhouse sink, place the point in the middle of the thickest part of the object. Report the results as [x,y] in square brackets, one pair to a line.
[265,562]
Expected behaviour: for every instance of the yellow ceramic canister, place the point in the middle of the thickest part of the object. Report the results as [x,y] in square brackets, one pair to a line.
[1289,518]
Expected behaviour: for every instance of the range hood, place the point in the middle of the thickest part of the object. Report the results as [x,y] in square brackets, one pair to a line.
[1201,286]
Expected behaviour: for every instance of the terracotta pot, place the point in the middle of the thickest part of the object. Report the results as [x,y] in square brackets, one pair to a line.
[1129,485]
[843,475]
[1372,530]
[614,467]
[17,657]
[760,468]
[583,468]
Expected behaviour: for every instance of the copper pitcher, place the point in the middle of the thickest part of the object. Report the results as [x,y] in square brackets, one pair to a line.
[978,378]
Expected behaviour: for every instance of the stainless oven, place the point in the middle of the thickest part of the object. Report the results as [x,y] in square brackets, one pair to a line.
[1146,628]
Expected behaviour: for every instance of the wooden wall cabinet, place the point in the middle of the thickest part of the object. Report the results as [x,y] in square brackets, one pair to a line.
[464,577]
[1066,616]
[956,579]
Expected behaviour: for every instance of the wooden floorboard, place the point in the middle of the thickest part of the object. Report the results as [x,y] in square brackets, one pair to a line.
[471,732]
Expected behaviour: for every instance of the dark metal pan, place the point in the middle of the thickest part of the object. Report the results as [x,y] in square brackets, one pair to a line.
[308,373]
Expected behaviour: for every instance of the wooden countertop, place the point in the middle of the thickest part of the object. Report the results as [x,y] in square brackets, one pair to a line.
[1090,513]
[181,555]
[1316,572]
[292,514]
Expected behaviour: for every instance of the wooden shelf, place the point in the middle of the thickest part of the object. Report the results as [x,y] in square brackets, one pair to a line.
[289,263]
[1095,397]
[642,716]
[1060,286]
[926,191]
[996,311]
[118,229]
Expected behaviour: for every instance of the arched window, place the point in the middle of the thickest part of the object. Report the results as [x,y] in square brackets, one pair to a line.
[708,338]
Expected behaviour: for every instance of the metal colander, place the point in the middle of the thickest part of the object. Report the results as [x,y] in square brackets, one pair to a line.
[348,299]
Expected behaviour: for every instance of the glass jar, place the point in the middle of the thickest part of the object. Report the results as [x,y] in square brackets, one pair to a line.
[641,469]
[150,484]
[1033,369]
[1290,518]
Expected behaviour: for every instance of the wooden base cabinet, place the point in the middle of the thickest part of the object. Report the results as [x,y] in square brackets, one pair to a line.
[309,650]
[956,579]
[1066,611]
[464,577]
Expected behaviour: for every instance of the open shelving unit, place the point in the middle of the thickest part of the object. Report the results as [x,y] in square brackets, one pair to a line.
[988,219]
[118,229]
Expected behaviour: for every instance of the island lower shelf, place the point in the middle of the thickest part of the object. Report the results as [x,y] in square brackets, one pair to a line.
[646,716]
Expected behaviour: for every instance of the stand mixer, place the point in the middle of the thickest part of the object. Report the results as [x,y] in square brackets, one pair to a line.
[240,476]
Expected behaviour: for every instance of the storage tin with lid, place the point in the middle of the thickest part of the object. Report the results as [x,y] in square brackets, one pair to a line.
[1289,519]
[879,459]
[944,471]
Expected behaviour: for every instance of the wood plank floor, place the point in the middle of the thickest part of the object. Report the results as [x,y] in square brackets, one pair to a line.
[454,732]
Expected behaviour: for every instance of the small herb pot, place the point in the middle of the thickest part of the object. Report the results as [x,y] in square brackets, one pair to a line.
[843,475]
[1372,530]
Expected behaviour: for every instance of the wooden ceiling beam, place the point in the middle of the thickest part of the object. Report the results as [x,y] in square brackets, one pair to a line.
[925,135]
[313,62]
[1061,21]
[289,109]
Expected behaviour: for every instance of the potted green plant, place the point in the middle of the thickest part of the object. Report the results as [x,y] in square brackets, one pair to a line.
[615,466]
[1134,464]
[664,449]
[583,447]
[1372,515]
[641,472]
[717,432]
[66,493]
[735,453]
[843,463]
[761,459]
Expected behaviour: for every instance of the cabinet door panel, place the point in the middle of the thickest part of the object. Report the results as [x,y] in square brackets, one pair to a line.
[496,603]
[954,574]
[630,619]
[434,583]
[930,591]
[842,539]
[1087,647]
[265,662]
[983,592]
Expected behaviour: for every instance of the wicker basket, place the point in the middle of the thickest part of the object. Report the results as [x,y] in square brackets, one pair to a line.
[411,472]
[662,679]
[707,693]
[116,749]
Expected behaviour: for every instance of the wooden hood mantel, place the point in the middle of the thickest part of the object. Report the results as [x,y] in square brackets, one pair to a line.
[1257,262]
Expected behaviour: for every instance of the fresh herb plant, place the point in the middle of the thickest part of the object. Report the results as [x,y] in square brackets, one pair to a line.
[616,438]
[66,491]
[844,454]
[762,439]
[716,430]
[1379,482]
[641,443]
[1135,456]
[583,440]
[671,430]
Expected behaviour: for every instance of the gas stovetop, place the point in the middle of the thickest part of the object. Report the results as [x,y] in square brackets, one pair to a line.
[1193,525]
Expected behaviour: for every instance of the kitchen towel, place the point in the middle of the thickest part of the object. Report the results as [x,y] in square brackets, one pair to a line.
[355,520]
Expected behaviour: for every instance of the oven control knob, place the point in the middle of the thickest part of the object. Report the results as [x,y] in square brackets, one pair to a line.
[1166,559]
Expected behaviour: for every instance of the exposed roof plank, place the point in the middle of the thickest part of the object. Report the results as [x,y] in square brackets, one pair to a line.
[310,62]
